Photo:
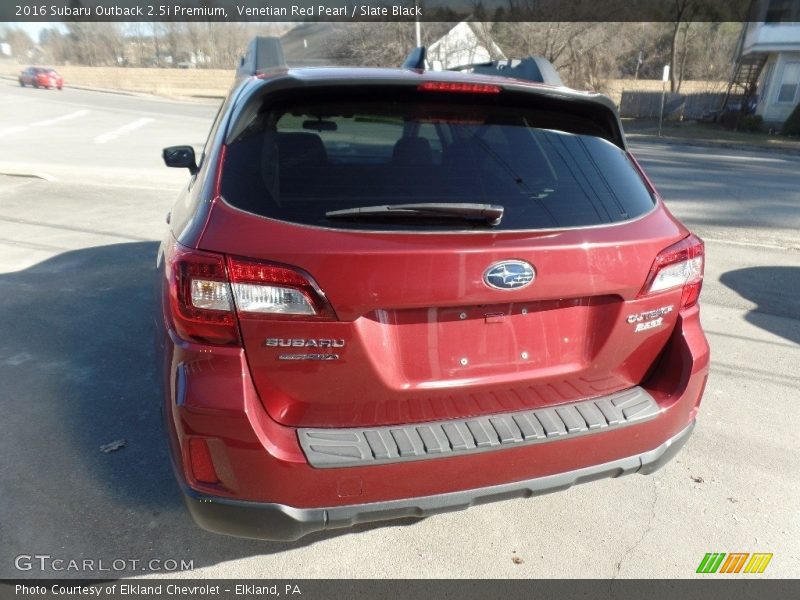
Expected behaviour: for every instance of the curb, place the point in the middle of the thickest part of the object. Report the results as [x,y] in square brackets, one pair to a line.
[28,175]
[86,88]
[654,139]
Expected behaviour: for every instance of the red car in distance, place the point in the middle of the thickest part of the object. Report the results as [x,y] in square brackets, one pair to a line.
[43,77]
[395,292]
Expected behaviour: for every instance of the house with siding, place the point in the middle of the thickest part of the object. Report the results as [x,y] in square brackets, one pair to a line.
[768,59]
[465,44]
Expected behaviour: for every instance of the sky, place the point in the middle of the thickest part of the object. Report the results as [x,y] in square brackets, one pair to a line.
[33,29]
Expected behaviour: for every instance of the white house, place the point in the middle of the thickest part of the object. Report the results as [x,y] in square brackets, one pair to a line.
[774,44]
[464,44]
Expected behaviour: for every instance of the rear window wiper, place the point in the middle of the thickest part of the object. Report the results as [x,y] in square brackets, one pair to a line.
[491,214]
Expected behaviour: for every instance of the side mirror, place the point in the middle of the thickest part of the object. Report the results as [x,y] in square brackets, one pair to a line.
[180,157]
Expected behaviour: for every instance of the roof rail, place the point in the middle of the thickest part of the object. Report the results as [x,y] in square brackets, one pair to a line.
[263,53]
[532,68]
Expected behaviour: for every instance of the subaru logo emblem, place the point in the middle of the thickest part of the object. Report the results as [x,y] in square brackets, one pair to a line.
[509,275]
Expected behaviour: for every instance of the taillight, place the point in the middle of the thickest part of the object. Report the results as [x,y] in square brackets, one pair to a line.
[455,86]
[206,291]
[276,291]
[678,266]
[200,296]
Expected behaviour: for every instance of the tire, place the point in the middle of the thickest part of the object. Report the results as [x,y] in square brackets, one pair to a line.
[21,83]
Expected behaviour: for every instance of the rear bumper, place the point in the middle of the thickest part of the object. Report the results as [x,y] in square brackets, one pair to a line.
[270,489]
[281,522]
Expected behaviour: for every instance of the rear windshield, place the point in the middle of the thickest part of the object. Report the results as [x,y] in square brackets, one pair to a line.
[298,160]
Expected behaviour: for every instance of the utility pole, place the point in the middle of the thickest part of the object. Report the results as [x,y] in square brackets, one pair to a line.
[417,26]
[664,79]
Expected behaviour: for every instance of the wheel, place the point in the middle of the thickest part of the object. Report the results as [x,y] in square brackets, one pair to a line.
[21,83]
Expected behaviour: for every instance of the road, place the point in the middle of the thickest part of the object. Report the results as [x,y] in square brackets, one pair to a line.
[82,202]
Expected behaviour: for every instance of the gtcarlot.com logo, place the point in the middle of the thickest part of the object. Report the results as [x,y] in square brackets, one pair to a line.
[46,562]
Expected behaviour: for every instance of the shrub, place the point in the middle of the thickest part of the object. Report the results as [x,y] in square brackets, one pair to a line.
[728,119]
[751,123]
[792,124]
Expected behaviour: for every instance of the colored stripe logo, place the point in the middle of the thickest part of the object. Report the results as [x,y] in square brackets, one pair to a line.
[735,562]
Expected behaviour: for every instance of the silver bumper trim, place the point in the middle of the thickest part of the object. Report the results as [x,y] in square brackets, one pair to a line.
[326,448]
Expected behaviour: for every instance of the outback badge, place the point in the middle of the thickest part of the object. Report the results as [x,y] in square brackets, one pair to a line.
[649,319]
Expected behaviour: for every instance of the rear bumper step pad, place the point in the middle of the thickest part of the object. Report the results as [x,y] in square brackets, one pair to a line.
[326,448]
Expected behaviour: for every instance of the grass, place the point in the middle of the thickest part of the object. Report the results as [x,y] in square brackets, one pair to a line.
[709,133]
[174,83]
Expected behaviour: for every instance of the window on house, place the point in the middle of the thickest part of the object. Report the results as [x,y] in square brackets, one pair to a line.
[779,11]
[787,91]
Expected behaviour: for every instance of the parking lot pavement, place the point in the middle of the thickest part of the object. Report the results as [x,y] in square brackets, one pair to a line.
[76,372]
[95,138]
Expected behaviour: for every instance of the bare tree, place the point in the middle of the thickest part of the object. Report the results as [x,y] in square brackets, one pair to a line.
[94,44]
[683,13]
[710,52]
[384,44]
[585,54]
[19,40]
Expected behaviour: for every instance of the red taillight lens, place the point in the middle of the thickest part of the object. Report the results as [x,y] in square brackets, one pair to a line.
[200,297]
[454,86]
[200,459]
[680,265]
[276,291]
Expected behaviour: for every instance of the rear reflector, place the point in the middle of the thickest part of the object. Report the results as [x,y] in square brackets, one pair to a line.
[454,86]
[200,459]
[680,265]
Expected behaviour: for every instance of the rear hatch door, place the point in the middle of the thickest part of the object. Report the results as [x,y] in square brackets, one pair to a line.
[426,313]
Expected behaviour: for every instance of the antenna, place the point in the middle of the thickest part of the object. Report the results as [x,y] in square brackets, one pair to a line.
[263,53]
[415,59]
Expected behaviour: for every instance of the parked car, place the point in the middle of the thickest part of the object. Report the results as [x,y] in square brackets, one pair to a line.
[395,292]
[41,77]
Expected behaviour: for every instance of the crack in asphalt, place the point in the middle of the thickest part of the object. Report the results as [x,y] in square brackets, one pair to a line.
[76,229]
[647,530]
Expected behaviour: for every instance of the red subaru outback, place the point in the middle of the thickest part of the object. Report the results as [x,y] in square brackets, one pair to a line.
[392,292]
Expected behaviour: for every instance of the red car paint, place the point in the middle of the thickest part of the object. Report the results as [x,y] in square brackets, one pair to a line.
[423,338]
[41,77]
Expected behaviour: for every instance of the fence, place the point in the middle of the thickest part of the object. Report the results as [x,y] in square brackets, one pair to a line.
[647,105]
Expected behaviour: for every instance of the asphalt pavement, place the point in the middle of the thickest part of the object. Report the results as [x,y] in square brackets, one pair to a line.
[83,196]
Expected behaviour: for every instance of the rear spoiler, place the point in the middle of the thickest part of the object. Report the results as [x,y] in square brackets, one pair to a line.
[532,68]
[263,54]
